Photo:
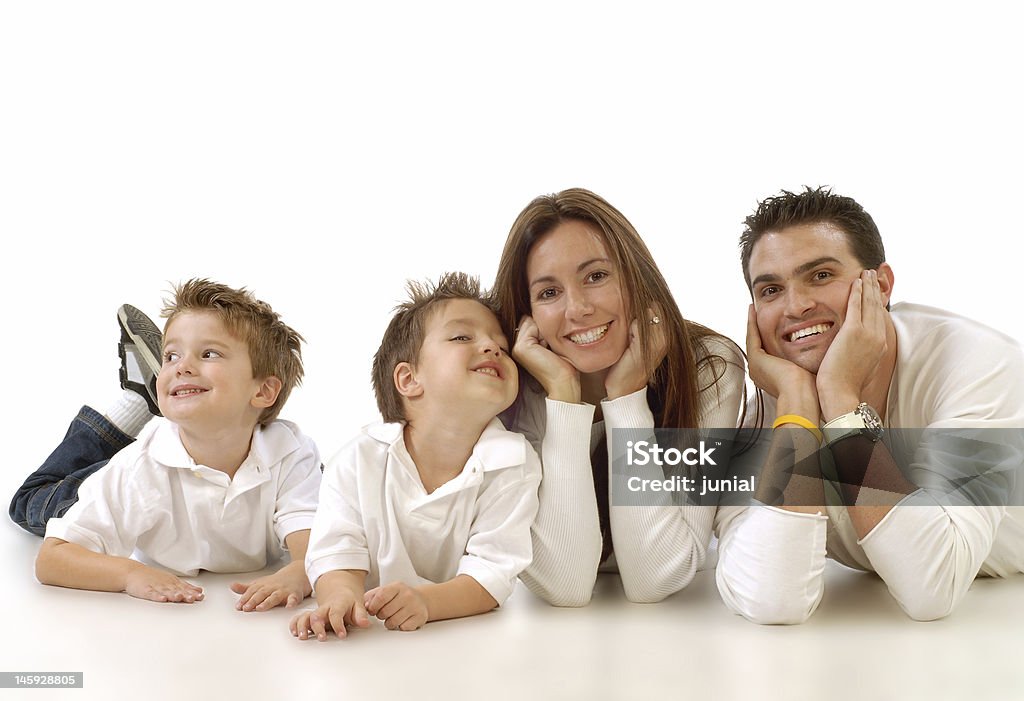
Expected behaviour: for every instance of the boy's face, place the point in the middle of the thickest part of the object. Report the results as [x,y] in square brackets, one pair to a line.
[206,381]
[464,364]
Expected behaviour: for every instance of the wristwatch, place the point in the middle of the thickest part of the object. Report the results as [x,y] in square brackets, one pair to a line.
[862,421]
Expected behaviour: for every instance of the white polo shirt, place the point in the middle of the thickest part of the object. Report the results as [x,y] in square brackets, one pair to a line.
[375,515]
[154,499]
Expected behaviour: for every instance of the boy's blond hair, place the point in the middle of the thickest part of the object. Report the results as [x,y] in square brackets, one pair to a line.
[274,347]
[404,336]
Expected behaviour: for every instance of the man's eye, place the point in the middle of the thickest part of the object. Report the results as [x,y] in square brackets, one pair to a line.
[822,275]
[769,291]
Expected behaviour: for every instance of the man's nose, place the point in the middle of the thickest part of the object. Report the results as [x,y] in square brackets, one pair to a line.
[798,301]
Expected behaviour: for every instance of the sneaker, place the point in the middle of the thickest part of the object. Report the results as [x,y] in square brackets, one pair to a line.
[142,341]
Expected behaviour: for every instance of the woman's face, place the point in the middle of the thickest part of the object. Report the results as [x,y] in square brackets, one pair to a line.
[576,297]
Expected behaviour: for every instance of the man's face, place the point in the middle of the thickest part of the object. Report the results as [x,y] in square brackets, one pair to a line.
[801,278]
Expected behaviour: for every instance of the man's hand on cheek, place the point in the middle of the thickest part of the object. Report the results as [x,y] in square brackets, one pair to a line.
[788,382]
[853,358]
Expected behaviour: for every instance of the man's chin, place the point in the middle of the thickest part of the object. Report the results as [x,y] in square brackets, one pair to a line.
[807,361]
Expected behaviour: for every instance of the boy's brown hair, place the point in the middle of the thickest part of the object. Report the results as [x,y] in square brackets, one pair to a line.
[404,335]
[274,347]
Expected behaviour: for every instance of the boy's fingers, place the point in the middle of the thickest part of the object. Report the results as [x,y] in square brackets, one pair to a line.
[300,626]
[370,600]
[271,601]
[337,623]
[318,625]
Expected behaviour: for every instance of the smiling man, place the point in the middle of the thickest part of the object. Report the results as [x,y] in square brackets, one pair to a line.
[892,434]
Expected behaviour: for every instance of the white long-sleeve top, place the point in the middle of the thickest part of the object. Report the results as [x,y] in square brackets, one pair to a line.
[657,549]
[951,373]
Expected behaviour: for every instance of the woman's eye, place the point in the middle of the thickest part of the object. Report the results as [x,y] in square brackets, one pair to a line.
[461,337]
[547,293]
[597,276]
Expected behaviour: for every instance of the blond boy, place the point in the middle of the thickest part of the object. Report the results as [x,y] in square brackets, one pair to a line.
[428,516]
[217,484]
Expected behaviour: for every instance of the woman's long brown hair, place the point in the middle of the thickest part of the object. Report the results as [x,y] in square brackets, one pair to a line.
[674,383]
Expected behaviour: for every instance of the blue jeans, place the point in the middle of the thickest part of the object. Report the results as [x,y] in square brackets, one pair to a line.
[52,489]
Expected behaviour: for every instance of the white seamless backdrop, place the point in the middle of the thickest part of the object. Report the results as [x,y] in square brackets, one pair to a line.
[321,153]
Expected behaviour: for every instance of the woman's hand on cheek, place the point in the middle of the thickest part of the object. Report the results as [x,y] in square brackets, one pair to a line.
[558,377]
[630,373]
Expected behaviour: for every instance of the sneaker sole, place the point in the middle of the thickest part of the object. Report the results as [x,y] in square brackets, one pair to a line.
[144,334]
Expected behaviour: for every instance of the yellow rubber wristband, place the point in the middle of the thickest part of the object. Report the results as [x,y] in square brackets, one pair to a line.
[801,422]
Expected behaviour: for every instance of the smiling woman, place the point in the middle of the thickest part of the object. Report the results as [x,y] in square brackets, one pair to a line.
[604,346]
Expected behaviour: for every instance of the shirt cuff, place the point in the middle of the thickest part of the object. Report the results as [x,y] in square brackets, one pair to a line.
[302,521]
[488,576]
[628,411]
[66,530]
[340,561]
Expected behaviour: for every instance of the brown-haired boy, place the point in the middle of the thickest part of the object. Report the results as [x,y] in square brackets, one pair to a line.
[433,510]
[217,484]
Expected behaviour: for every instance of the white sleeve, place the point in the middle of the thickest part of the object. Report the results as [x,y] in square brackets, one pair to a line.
[499,545]
[111,512]
[659,548]
[771,562]
[297,490]
[928,554]
[567,531]
[337,540]
[968,386]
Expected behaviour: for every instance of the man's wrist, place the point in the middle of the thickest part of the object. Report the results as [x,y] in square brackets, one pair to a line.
[837,403]
[800,400]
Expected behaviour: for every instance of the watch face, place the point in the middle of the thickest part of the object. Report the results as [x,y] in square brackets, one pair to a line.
[872,421]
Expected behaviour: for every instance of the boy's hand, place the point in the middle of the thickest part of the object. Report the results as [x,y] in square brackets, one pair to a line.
[397,604]
[341,609]
[288,586]
[157,585]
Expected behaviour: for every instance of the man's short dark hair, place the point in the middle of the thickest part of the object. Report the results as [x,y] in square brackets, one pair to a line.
[814,206]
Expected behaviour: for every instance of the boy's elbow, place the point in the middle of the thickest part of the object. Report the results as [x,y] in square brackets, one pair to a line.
[45,562]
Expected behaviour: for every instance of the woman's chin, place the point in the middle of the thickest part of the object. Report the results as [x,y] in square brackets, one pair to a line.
[588,361]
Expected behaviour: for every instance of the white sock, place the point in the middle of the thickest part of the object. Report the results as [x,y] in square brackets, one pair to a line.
[130,413]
